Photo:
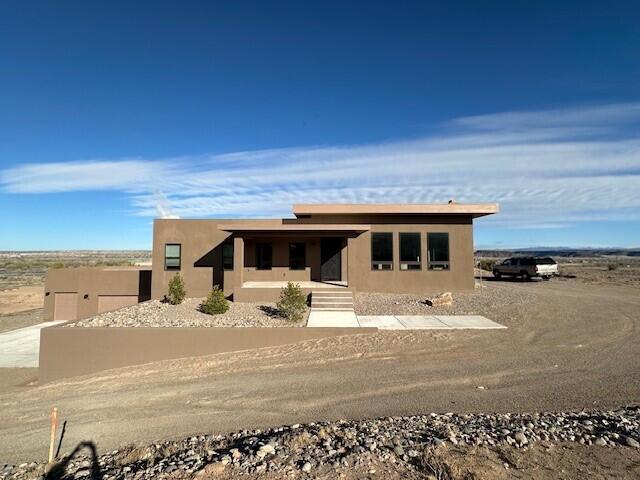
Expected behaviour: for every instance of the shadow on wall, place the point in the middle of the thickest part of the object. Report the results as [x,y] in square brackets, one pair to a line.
[58,471]
[213,259]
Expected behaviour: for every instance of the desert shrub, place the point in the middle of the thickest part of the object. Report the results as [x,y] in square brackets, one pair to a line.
[292,303]
[612,266]
[486,264]
[215,303]
[176,290]
[57,265]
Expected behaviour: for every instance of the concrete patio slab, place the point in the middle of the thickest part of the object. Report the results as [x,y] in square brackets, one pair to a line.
[383,322]
[468,321]
[319,318]
[20,348]
[421,322]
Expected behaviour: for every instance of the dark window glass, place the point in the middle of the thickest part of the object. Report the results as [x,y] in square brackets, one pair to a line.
[545,261]
[227,256]
[382,251]
[263,256]
[409,251]
[438,250]
[172,252]
[297,256]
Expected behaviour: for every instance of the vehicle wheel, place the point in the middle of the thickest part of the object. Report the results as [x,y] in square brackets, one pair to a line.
[525,276]
[497,275]
[546,277]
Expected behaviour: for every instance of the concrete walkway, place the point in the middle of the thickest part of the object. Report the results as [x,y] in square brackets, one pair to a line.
[20,348]
[401,322]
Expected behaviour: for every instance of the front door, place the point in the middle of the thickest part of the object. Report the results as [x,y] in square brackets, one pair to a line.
[330,256]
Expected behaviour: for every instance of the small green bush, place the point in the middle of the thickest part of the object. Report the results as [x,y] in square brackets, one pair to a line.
[176,290]
[292,303]
[57,265]
[215,302]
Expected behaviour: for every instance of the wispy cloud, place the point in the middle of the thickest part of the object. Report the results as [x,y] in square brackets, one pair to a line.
[546,168]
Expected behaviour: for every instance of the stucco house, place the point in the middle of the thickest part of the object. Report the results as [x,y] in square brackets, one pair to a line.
[395,248]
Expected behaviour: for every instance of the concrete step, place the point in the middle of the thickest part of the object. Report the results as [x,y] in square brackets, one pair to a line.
[332,301]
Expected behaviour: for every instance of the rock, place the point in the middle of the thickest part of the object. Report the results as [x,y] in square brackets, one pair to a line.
[630,442]
[399,450]
[444,299]
[601,442]
[521,438]
[306,467]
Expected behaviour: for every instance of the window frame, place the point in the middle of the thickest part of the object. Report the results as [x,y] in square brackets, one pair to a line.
[446,265]
[225,245]
[387,263]
[168,268]
[409,263]
[304,256]
[259,255]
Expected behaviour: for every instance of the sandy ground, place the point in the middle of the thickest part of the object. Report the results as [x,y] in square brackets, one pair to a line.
[21,299]
[573,345]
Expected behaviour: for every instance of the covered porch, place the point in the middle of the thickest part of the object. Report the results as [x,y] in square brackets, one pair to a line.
[267,255]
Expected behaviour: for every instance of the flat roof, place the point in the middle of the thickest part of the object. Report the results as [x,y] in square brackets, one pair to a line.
[292,227]
[473,209]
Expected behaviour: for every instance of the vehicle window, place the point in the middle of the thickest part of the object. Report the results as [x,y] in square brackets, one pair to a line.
[545,261]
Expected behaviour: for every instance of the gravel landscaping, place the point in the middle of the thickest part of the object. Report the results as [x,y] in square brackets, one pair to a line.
[337,448]
[155,313]
[485,300]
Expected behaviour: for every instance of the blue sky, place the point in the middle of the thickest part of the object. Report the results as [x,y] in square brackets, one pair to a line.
[113,113]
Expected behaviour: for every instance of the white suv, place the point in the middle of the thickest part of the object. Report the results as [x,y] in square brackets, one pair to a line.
[526,267]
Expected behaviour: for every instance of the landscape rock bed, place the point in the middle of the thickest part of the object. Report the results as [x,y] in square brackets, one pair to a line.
[155,313]
[343,445]
[487,299]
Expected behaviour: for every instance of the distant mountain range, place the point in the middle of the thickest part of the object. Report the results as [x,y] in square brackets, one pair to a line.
[559,252]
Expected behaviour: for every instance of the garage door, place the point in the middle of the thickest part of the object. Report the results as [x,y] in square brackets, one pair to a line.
[65,306]
[106,303]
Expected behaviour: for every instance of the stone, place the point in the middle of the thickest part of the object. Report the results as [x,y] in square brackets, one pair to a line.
[630,442]
[444,299]
[306,467]
[521,438]
[601,442]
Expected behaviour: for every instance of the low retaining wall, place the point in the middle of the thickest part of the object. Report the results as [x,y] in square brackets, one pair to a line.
[68,352]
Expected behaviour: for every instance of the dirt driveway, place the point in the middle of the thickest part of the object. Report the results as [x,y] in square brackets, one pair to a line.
[570,345]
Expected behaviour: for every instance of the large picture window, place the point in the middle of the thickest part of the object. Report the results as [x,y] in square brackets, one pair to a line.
[263,256]
[410,251]
[172,253]
[382,251]
[297,256]
[227,255]
[438,250]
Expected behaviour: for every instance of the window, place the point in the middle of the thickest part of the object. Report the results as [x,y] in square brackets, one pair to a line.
[297,256]
[410,251]
[227,256]
[263,256]
[382,251]
[172,256]
[438,251]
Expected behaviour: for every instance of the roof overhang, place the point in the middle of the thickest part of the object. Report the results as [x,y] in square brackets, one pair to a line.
[291,227]
[473,209]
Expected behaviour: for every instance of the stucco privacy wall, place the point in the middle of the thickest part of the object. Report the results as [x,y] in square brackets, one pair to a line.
[201,242]
[69,352]
[93,282]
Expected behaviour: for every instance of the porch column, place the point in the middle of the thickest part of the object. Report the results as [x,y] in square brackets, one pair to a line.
[238,263]
[351,264]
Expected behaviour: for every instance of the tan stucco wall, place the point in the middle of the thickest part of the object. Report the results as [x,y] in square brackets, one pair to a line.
[91,281]
[68,352]
[202,261]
